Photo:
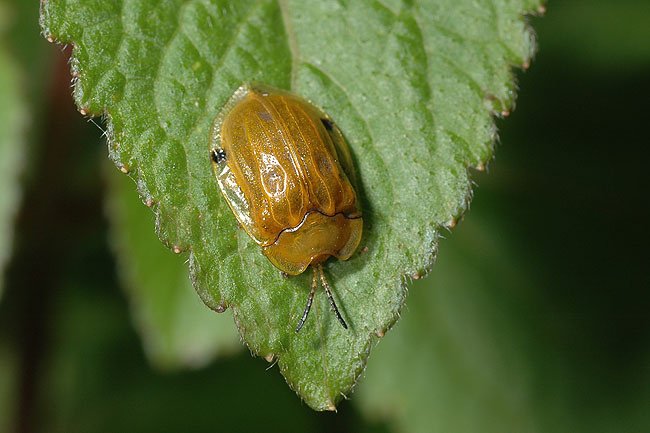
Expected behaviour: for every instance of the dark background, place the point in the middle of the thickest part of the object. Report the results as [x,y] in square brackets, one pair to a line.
[567,187]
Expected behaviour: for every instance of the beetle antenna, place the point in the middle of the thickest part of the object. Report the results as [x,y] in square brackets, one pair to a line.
[314,284]
[326,286]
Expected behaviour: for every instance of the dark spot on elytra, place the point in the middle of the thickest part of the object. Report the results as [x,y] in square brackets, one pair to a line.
[218,155]
[327,124]
[265,115]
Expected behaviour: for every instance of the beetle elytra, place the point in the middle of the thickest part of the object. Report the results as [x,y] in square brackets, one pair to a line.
[286,173]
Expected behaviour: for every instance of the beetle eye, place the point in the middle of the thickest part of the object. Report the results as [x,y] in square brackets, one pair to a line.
[327,124]
[218,155]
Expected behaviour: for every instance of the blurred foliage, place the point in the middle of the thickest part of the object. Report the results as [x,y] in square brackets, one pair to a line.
[17,105]
[12,149]
[97,380]
[176,328]
[12,144]
[610,36]
[537,310]
[463,347]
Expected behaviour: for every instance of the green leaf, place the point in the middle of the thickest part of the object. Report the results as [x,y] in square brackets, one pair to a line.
[177,329]
[12,145]
[413,86]
[464,346]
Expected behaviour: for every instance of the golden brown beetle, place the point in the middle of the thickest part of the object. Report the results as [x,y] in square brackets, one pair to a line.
[285,171]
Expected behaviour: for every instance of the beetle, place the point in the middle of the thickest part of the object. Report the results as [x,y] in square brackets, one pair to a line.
[286,172]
